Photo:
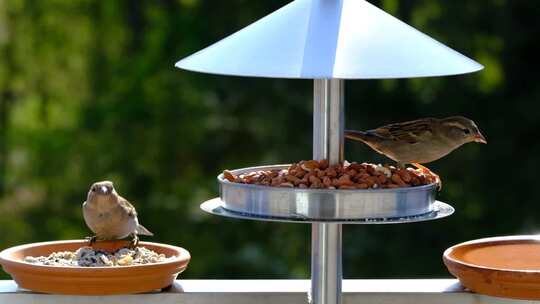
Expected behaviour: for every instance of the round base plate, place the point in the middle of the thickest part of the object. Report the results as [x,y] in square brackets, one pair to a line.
[440,210]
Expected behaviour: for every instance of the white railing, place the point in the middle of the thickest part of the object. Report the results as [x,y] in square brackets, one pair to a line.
[440,291]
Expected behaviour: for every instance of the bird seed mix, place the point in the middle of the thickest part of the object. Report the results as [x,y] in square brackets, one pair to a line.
[88,257]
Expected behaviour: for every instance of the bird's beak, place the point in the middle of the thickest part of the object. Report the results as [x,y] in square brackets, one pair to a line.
[104,189]
[479,138]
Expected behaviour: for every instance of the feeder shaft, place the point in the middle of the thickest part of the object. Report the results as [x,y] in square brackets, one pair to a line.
[328,122]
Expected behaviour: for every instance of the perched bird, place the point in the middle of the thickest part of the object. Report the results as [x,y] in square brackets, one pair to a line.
[111,216]
[420,141]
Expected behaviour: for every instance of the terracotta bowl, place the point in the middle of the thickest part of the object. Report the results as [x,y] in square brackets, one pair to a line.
[92,280]
[506,267]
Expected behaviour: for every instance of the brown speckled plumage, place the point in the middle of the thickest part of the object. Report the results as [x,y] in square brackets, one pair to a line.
[109,215]
[420,141]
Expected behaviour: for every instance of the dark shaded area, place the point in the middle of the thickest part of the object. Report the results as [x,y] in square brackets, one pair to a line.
[88,92]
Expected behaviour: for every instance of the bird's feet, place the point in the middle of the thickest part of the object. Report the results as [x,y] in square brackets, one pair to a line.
[134,242]
[91,240]
[434,177]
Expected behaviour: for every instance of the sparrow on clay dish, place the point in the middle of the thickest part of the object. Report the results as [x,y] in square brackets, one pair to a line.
[111,216]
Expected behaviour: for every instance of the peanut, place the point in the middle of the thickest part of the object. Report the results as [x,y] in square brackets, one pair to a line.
[310,165]
[364,176]
[397,179]
[404,174]
[331,172]
[315,180]
[293,179]
[327,182]
[323,164]
[352,172]
[228,176]
[345,180]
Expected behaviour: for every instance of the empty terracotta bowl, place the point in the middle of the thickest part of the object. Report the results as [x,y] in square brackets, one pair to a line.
[506,267]
[92,280]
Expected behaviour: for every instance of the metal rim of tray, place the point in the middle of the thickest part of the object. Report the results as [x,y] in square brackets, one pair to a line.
[324,205]
[440,210]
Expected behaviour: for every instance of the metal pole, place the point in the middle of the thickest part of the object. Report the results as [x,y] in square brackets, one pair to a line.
[328,122]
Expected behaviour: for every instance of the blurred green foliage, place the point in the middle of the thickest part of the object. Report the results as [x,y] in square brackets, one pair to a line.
[88,92]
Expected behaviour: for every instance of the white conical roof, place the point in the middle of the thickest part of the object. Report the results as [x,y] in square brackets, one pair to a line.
[347,39]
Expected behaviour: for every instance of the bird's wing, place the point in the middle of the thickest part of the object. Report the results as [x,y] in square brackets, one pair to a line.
[126,205]
[410,132]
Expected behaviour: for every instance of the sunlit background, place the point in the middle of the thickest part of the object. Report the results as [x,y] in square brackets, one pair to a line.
[88,92]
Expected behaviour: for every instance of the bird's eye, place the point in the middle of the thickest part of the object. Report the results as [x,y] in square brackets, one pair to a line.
[93,189]
[466,131]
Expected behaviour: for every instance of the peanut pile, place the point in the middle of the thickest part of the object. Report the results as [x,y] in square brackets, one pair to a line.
[319,175]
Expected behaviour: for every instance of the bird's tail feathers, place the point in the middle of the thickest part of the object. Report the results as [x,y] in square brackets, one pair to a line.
[143,231]
[356,135]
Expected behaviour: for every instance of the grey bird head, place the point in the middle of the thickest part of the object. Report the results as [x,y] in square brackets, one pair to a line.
[461,129]
[101,188]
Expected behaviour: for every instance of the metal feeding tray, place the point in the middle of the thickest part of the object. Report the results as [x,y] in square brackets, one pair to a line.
[323,205]
[328,41]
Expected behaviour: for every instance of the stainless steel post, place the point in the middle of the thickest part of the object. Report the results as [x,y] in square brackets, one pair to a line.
[328,122]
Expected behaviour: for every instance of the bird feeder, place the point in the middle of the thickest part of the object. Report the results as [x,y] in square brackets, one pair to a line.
[328,41]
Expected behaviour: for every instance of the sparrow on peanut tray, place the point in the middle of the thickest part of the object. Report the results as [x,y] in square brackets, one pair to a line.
[111,216]
[420,141]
